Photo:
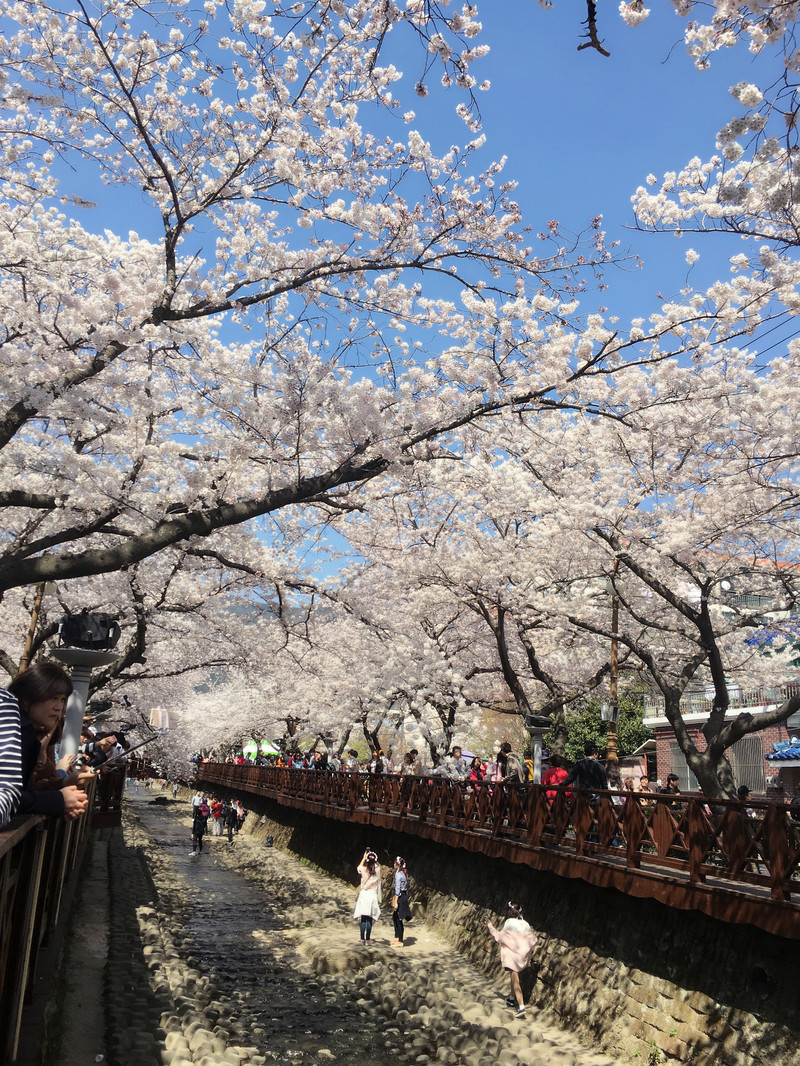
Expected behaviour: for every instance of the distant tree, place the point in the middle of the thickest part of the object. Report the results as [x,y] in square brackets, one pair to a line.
[583,723]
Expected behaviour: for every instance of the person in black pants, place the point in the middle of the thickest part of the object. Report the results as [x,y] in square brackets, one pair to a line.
[199,826]
[230,820]
[401,911]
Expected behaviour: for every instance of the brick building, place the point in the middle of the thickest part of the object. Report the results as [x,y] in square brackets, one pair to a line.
[751,767]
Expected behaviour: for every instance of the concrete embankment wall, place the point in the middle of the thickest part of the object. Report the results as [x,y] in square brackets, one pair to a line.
[623,973]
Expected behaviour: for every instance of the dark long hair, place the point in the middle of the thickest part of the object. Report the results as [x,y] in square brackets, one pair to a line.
[42,681]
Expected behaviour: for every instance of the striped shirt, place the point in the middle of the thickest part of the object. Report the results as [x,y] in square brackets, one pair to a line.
[10,758]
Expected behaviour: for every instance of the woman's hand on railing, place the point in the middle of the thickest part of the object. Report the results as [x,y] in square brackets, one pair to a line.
[76,802]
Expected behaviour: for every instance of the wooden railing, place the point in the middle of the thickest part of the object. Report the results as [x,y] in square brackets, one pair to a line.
[733,863]
[37,856]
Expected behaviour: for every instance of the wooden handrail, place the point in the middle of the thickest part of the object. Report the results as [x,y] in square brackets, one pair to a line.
[732,861]
[37,857]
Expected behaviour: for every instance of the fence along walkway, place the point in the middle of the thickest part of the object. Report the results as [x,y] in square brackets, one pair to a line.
[37,857]
[733,863]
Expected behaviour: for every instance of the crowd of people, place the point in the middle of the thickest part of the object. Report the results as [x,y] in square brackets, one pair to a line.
[35,776]
[506,765]
[223,815]
[457,765]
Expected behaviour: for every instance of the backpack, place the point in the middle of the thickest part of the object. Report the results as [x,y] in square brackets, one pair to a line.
[205,810]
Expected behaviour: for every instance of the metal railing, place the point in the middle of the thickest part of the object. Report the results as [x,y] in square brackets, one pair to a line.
[731,862]
[700,703]
[37,856]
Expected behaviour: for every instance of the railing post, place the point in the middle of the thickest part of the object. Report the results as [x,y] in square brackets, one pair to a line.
[699,837]
[776,838]
[634,827]
[19,919]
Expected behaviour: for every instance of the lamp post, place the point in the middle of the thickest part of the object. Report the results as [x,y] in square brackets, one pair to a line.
[612,748]
[82,661]
[537,725]
[89,639]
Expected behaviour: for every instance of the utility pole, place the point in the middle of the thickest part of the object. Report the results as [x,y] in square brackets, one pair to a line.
[612,748]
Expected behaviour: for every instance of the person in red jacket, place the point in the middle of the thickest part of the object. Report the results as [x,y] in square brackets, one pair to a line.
[216,818]
[554,775]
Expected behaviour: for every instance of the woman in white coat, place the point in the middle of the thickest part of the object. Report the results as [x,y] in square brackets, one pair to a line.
[368,906]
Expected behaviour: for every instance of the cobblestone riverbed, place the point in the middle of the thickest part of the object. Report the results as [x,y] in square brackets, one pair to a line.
[244,954]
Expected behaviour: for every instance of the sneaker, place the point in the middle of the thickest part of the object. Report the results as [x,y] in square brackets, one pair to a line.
[510,1001]
[192,853]
[519,1012]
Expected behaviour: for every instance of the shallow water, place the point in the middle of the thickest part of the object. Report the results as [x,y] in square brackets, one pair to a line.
[233,934]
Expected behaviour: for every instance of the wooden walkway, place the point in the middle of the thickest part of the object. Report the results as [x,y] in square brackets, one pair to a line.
[731,863]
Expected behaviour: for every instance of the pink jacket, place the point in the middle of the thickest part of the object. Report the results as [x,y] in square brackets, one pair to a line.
[517,941]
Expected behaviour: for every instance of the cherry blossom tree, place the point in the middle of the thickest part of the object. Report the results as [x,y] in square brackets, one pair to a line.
[665,525]
[465,531]
[318,293]
[389,661]
[322,297]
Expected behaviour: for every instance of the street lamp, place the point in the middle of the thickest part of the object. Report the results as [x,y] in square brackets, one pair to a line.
[612,748]
[537,725]
[89,639]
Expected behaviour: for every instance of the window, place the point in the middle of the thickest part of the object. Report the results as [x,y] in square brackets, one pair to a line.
[687,782]
[748,763]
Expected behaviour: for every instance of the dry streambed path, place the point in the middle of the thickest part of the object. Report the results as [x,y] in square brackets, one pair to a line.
[244,954]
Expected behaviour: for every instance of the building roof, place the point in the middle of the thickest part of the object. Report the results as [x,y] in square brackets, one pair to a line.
[786,629]
[784,751]
[648,747]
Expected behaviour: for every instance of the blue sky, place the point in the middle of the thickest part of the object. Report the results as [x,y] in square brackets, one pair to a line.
[582,131]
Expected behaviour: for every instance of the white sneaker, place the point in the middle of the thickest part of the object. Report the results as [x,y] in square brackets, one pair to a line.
[519,1012]
[191,853]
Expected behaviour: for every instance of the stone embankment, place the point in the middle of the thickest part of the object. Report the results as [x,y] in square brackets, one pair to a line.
[206,968]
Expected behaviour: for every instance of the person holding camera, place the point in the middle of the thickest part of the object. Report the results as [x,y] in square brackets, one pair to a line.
[367,908]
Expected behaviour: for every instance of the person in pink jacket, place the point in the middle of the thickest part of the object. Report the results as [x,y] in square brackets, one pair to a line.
[517,941]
